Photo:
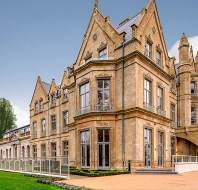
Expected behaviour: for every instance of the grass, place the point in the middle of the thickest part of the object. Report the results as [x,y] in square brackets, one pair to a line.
[14,181]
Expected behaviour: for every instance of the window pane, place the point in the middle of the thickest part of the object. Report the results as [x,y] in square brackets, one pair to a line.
[106,135]
[100,135]
[106,155]
[100,155]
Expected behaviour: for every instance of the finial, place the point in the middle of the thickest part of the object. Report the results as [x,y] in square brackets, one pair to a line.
[96,4]
[184,40]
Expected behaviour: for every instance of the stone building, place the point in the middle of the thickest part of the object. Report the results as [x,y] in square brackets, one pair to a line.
[113,105]
[16,144]
[122,102]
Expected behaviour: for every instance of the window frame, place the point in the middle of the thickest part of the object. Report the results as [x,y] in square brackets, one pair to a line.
[84,96]
[53,122]
[103,53]
[148,93]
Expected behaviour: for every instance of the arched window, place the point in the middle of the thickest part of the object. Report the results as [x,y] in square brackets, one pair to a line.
[23,152]
[28,151]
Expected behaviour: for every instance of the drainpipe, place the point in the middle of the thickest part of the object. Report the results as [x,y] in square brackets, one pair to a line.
[123,121]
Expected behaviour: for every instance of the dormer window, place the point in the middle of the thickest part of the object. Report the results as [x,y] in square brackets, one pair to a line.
[41,106]
[53,98]
[36,107]
[88,59]
[65,94]
[148,49]
[159,58]
[103,54]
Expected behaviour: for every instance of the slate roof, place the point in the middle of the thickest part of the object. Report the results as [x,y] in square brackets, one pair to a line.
[46,86]
[125,26]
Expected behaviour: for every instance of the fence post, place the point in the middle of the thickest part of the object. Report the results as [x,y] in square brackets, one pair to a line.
[68,165]
[14,165]
[49,166]
[25,167]
[32,166]
[40,165]
[60,167]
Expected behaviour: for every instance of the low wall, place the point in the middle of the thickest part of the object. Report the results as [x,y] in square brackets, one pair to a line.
[186,167]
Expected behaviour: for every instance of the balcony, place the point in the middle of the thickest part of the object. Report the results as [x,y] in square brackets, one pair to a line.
[34,135]
[161,112]
[65,129]
[52,104]
[173,124]
[24,134]
[99,108]
[43,133]
[149,107]
[53,132]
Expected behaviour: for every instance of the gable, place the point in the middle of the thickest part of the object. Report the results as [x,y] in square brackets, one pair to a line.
[99,32]
[39,92]
[150,27]
[53,87]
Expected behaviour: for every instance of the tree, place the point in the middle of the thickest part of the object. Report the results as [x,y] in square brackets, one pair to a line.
[7,116]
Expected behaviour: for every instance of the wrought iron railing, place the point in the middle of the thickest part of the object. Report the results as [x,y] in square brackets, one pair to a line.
[149,107]
[94,108]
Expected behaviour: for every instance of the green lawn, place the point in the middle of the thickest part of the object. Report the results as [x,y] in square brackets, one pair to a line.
[13,181]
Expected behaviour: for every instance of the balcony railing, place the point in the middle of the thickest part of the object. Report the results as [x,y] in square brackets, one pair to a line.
[52,104]
[95,108]
[149,107]
[43,133]
[161,112]
[174,124]
[34,135]
[53,131]
[65,129]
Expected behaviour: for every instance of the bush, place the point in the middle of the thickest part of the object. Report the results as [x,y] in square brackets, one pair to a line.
[97,173]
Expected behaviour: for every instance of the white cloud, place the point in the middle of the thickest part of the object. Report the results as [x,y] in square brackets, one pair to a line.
[174,50]
[22,116]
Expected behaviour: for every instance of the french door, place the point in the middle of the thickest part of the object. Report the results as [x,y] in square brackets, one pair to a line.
[85,149]
[160,149]
[103,149]
[147,147]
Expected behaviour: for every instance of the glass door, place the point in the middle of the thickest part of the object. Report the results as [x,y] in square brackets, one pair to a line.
[160,149]
[147,147]
[103,149]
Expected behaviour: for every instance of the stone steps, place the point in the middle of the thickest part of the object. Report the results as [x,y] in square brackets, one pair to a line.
[157,171]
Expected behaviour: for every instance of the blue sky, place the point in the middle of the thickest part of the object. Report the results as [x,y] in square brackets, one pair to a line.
[43,37]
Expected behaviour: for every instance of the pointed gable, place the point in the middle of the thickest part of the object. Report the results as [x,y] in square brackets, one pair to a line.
[149,26]
[99,32]
[53,87]
[40,91]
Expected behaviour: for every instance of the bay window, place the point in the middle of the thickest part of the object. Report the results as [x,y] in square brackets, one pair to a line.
[84,97]
[103,99]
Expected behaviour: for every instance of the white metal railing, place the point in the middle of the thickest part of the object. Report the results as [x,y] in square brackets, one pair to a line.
[184,159]
[53,166]
[184,163]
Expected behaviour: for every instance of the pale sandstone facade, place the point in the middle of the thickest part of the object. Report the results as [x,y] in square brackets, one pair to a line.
[117,105]
[127,116]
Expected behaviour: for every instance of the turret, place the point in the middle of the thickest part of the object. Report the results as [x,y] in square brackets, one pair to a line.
[183,50]
[184,92]
[196,58]
[196,63]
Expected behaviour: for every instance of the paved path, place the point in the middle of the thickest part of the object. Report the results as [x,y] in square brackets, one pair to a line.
[188,181]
